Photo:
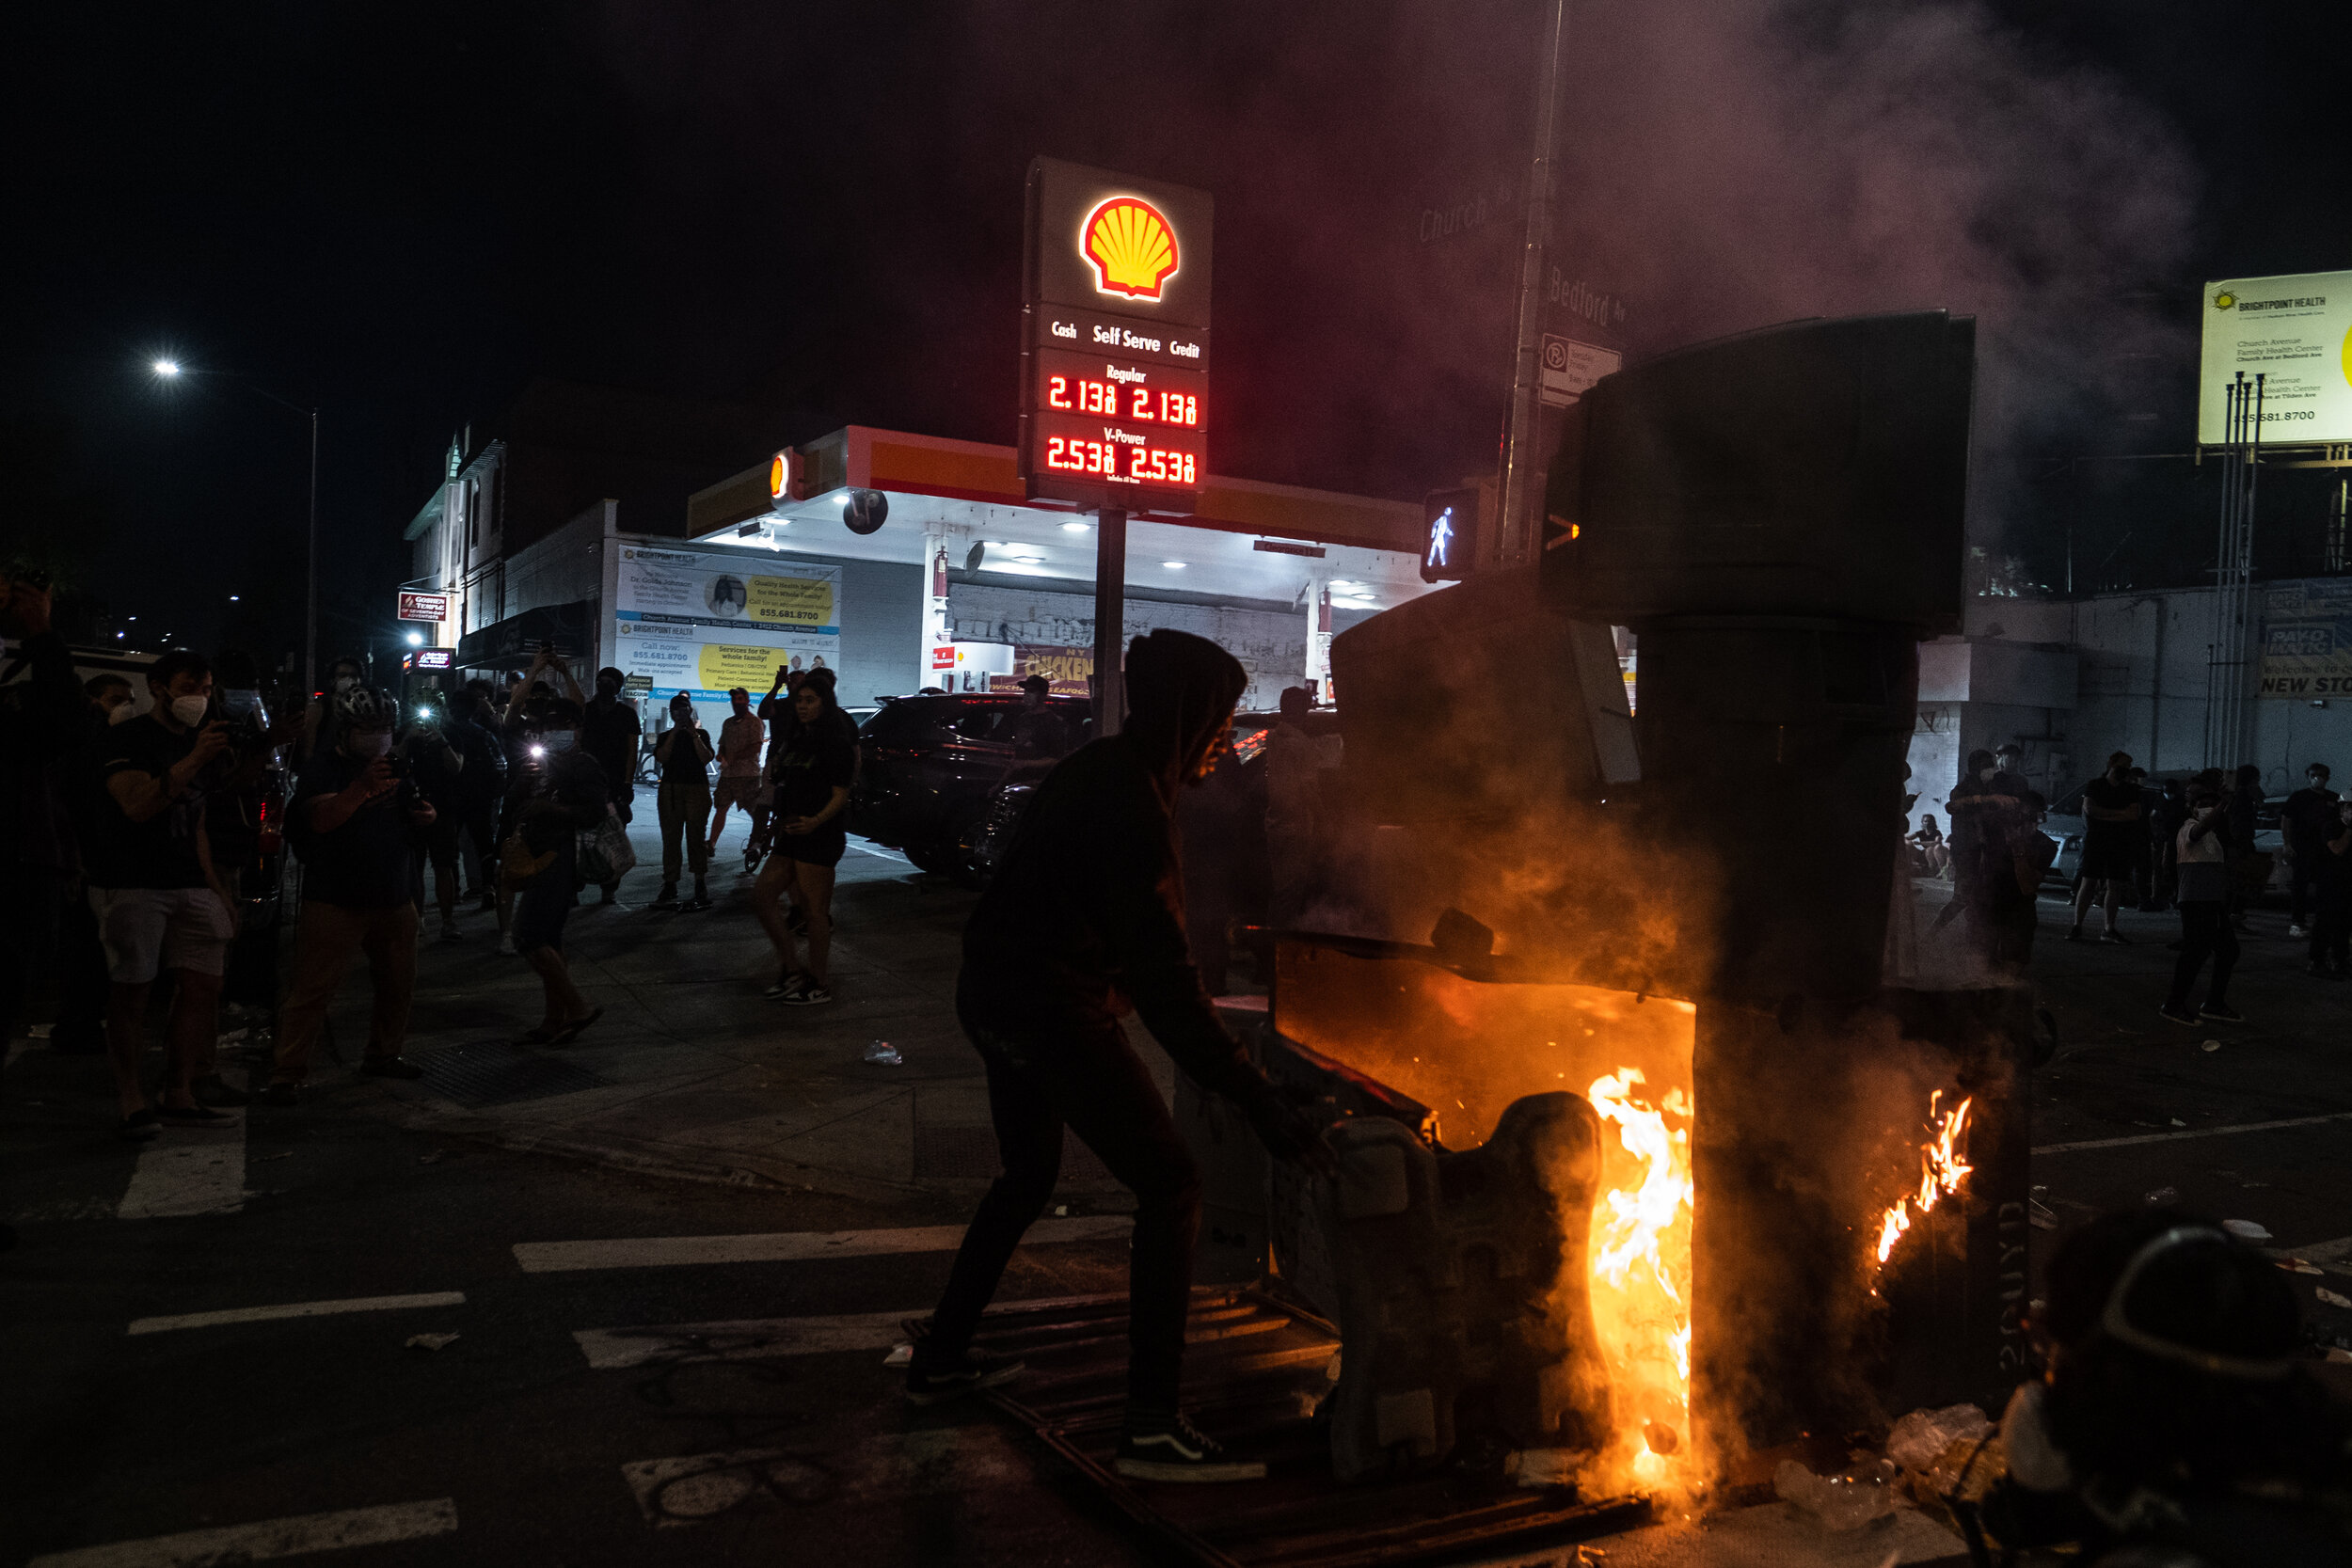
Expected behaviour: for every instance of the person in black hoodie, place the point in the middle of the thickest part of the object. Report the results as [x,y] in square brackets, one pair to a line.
[1085,922]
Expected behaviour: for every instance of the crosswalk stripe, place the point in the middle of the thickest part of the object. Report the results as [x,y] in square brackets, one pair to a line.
[787,1246]
[297,1310]
[191,1171]
[267,1538]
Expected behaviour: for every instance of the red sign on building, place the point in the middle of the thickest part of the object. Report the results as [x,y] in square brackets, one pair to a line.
[423,607]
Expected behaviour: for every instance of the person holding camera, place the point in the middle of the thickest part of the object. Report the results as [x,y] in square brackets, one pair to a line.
[356,824]
[427,755]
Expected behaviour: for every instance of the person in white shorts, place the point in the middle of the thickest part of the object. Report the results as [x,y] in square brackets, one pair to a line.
[152,885]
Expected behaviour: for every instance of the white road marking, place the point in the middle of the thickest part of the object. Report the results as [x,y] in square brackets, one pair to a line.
[2192,1133]
[745,1340]
[880,853]
[269,1538]
[787,1246]
[187,1171]
[297,1310]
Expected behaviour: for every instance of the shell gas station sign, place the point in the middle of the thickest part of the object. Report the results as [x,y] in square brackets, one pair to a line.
[1115,341]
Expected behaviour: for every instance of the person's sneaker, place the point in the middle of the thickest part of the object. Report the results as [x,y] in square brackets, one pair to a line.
[450,931]
[811,994]
[196,1115]
[2075,935]
[1168,1447]
[667,897]
[505,948]
[390,1066]
[2178,1013]
[284,1096]
[695,904]
[2118,938]
[978,1369]
[139,1126]
[789,985]
[2296,929]
[2221,1013]
[211,1091]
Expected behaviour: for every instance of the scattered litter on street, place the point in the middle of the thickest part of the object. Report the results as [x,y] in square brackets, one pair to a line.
[1061,1209]
[900,1355]
[884,1053]
[2038,1215]
[1919,1439]
[1836,1502]
[265,1159]
[431,1342]
[2165,1195]
[2178,1122]
[2213,1045]
[430,1156]
[2333,1298]
[2338,1355]
[2246,1230]
[2297,1265]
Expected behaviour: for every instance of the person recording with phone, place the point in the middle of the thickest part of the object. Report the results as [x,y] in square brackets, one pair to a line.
[428,755]
[683,753]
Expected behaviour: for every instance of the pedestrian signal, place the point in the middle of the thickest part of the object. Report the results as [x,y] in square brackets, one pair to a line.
[1449,538]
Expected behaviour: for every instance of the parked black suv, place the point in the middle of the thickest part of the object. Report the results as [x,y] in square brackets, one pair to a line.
[929,768]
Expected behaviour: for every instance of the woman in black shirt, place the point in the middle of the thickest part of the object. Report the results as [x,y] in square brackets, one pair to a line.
[810,768]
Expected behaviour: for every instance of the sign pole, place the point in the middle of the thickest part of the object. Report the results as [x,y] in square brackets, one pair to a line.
[1110,614]
[1515,536]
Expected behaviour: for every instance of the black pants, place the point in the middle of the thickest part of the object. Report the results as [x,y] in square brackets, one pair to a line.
[2306,880]
[478,820]
[2205,934]
[2331,926]
[1092,1081]
[2009,929]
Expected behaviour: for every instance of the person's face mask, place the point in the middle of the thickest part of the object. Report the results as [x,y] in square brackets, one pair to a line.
[238,703]
[344,683]
[190,710]
[371,743]
[558,741]
[1986,773]
[123,712]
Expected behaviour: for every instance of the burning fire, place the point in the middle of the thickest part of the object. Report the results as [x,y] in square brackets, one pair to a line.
[1640,1280]
[1941,1170]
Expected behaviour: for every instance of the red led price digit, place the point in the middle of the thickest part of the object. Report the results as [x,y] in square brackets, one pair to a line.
[1058,392]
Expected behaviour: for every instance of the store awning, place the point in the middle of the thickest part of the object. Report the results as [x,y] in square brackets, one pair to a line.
[509,644]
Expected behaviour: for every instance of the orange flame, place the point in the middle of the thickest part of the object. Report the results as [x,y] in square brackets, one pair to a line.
[1641,1285]
[1941,1170]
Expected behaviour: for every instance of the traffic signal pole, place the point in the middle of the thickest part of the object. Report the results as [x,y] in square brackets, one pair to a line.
[1516,532]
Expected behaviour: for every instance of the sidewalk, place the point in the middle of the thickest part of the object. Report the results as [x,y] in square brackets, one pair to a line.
[691,1073]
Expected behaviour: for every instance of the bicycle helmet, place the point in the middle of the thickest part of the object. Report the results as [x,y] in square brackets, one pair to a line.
[360,708]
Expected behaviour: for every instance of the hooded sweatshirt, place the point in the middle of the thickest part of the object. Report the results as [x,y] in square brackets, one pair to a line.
[1086,913]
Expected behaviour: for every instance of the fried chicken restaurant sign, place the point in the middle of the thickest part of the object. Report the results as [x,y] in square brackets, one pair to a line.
[2307,638]
[2296,333]
[702,621]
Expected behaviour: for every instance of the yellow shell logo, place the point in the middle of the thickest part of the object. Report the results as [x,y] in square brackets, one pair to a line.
[1133,249]
[775,478]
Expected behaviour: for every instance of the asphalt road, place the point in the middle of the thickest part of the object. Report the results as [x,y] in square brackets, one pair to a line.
[547,1432]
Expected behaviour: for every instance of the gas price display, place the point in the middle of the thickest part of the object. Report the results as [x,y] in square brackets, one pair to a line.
[1118,421]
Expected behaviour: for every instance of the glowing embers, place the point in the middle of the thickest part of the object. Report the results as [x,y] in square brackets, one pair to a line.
[1640,1281]
[1942,1170]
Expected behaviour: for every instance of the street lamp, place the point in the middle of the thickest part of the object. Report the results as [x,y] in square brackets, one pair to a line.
[416,639]
[171,370]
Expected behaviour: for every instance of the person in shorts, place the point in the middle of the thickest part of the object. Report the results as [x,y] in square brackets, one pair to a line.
[542,856]
[811,771]
[2115,826]
[357,825]
[740,740]
[152,888]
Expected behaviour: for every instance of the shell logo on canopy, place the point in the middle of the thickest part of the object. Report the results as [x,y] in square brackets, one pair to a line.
[1131,246]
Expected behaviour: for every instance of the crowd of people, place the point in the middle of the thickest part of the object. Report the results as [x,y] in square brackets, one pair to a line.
[146,830]
[2185,844]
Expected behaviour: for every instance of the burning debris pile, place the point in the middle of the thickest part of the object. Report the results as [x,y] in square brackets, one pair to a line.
[1942,1169]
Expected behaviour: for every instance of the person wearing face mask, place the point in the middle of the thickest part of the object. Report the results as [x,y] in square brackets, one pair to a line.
[2205,867]
[152,887]
[356,825]
[1082,922]
[610,733]
[809,776]
[2306,821]
[1982,808]
[473,727]
[110,699]
[427,754]
[683,753]
[318,719]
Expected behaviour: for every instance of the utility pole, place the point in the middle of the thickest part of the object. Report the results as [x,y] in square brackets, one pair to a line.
[1522,465]
[2225,670]
[311,573]
[1110,615]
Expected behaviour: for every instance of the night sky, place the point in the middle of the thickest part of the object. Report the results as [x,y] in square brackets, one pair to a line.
[405,212]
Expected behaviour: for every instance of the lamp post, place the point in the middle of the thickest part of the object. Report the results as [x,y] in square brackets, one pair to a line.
[171,370]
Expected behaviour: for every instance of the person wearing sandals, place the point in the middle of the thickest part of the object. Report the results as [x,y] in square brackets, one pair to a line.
[357,825]
[811,771]
[543,855]
[683,800]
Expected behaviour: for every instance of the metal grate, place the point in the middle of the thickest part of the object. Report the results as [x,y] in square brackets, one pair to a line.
[970,1151]
[493,1072]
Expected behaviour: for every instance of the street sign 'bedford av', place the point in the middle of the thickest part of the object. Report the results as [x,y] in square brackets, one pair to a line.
[1115,341]
[423,607]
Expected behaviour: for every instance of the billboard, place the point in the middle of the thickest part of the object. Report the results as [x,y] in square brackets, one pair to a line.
[702,621]
[1115,340]
[2307,638]
[2296,333]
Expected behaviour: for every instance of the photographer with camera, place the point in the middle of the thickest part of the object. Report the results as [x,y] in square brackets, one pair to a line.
[356,824]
